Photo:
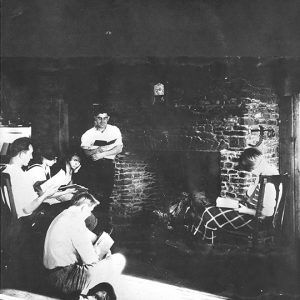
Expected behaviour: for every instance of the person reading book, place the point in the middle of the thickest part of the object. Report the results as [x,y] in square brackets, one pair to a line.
[40,175]
[34,209]
[75,258]
[63,179]
[101,144]
[40,168]
[25,198]
[238,215]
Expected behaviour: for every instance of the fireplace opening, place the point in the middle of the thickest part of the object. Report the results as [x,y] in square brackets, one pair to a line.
[189,171]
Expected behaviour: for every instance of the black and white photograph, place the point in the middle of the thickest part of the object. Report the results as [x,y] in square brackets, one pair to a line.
[150,149]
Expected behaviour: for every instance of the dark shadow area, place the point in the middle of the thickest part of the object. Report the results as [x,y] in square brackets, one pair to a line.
[189,171]
[156,253]
[231,270]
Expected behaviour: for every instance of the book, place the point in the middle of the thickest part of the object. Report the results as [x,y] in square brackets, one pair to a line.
[103,244]
[227,203]
[103,143]
[72,186]
[56,181]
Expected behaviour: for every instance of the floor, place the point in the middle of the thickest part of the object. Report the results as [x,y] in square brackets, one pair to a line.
[162,263]
[233,271]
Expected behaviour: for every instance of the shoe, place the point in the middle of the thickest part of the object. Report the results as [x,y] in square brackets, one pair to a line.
[102,291]
[100,295]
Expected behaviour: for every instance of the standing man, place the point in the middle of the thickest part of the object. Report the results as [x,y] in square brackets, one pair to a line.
[101,144]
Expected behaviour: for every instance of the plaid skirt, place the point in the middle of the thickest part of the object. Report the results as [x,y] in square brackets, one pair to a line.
[207,223]
[69,281]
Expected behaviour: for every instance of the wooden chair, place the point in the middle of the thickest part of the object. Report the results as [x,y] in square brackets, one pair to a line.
[8,222]
[12,229]
[9,219]
[264,229]
[7,196]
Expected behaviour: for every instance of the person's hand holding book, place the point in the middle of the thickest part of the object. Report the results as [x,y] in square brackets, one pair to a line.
[49,192]
[103,244]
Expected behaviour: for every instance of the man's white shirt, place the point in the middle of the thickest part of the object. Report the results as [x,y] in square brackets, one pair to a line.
[110,134]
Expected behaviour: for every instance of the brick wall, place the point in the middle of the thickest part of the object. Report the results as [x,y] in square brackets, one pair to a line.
[137,186]
[234,183]
[207,107]
[224,127]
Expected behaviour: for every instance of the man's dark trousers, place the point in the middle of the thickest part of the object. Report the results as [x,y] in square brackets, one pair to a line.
[102,179]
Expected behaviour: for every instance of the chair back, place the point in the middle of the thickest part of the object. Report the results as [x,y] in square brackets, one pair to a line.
[7,195]
[280,183]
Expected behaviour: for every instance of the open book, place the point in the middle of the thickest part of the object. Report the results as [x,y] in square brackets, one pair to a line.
[103,244]
[227,203]
[103,143]
[54,182]
[73,186]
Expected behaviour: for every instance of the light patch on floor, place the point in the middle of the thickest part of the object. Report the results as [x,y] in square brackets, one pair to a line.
[12,294]
[130,288]
[136,288]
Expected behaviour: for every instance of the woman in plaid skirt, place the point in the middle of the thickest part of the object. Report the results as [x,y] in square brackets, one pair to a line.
[211,218]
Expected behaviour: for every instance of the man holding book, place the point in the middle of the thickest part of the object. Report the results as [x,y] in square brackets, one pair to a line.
[101,144]
[77,259]
[25,198]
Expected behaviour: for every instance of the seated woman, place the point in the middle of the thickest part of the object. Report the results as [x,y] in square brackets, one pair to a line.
[212,218]
[40,170]
[64,177]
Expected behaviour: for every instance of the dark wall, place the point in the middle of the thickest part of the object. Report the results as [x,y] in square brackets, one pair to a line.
[126,84]
[189,171]
[30,85]
[68,28]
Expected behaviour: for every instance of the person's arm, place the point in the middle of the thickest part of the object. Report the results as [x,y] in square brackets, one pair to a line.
[33,205]
[64,192]
[245,210]
[87,144]
[89,151]
[93,236]
[269,201]
[25,198]
[82,239]
[99,154]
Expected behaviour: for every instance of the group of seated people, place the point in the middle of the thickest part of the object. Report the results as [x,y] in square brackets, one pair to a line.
[44,204]
[70,257]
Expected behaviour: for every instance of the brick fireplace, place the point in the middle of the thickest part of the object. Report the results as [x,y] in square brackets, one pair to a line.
[201,153]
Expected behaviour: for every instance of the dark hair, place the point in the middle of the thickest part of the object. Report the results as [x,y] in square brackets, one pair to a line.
[70,154]
[100,109]
[85,198]
[47,152]
[103,287]
[63,161]
[19,145]
[248,159]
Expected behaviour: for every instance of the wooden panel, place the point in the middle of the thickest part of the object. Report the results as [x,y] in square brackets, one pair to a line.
[289,161]
[50,124]
[296,183]
[63,125]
